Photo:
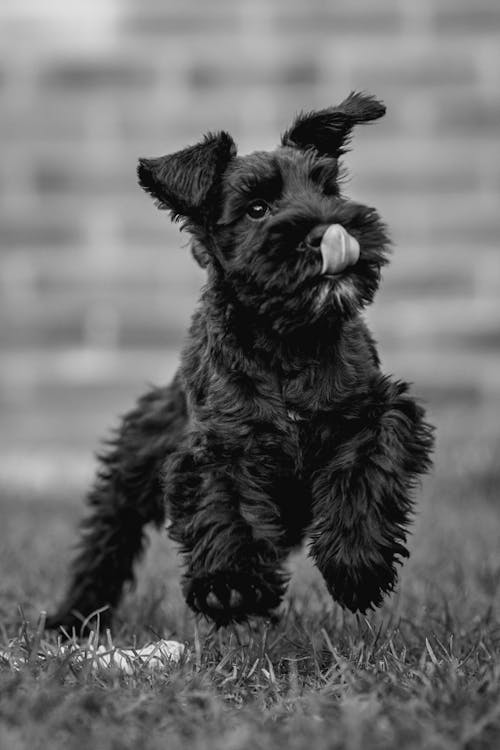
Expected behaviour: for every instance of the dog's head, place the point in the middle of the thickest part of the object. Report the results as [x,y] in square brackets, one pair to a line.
[273,227]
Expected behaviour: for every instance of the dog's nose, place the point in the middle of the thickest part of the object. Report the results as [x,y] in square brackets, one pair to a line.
[313,239]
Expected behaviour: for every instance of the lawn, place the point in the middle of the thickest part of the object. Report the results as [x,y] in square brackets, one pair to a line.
[422,672]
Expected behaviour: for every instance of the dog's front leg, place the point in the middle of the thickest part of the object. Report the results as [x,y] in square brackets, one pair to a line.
[362,496]
[223,515]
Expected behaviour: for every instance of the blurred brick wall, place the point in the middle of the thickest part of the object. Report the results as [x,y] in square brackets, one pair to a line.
[96,287]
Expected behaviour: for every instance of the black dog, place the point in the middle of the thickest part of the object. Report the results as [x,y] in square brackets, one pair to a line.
[279,423]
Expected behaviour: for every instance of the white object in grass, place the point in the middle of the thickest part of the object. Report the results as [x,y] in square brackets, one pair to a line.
[152,657]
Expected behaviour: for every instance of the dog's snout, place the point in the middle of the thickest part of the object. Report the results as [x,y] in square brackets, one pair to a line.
[313,239]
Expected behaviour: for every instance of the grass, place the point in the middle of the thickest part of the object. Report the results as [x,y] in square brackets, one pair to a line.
[422,672]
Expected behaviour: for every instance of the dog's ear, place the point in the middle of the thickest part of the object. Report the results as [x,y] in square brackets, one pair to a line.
[184,182]
[329,130]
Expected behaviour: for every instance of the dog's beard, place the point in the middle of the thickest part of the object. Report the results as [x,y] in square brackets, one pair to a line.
[288,301]
[336,294]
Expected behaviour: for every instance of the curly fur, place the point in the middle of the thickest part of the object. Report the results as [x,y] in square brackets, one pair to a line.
[279,424]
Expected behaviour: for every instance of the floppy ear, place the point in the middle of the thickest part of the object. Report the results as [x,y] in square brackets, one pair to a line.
[329,130]
[184,182]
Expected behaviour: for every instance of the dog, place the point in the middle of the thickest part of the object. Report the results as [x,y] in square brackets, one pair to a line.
[279,424]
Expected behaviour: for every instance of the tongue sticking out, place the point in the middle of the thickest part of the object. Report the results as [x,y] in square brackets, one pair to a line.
[338,249]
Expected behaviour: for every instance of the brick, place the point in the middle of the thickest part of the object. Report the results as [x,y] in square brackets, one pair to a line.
[472,221]
[152,229]
[469,221]
[174,19]
[487,272]
[35,232]
[481,341]
[339,18]
[446,266]
[84,367]
[424,66]
[148,121]
[94,74]
[448,282]
[151,334]
[473,115]
[411,319]
[84,178]
[460,16]
[405,165]
[53,178]
[144,273]
[159,131]
[39,329]
[74,314]
[204,75]
[448,394]
[43,118]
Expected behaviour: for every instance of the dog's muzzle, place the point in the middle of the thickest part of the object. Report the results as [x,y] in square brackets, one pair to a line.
[338,248]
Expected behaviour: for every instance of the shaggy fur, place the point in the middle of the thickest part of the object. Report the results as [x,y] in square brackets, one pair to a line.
[279,424]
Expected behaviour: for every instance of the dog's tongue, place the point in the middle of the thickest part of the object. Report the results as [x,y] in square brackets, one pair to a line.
[338,249]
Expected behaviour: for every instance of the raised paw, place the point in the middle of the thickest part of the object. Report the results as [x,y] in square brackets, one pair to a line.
[227,597]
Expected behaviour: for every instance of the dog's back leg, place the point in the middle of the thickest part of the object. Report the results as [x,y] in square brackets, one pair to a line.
[126,495]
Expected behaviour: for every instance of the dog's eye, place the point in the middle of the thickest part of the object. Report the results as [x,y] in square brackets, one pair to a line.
[258,210]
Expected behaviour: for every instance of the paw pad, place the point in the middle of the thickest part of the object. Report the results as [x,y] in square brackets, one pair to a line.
[227,597]
[231,599]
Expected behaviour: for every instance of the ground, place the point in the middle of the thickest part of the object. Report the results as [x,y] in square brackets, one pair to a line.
[422,672]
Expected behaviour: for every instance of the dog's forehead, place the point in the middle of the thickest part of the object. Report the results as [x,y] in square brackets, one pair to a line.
[284,164]
[260,165]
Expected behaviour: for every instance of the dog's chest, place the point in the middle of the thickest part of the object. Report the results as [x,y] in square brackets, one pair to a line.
[294,416]
[306,392]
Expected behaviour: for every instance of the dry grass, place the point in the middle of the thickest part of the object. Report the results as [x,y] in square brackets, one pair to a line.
[423,672]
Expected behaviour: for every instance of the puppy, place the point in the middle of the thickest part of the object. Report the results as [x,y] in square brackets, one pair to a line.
[279,424]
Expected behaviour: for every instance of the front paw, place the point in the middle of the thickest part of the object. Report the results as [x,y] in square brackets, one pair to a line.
[232,596]
[360,587]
